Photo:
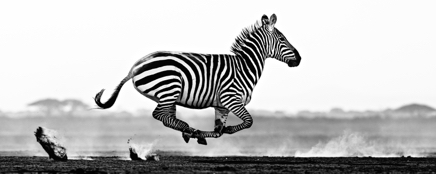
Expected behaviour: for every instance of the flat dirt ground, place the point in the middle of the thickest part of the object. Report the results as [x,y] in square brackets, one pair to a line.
[196,164]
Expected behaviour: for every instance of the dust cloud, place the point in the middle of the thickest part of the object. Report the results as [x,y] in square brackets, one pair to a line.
[141,148]
[355,144]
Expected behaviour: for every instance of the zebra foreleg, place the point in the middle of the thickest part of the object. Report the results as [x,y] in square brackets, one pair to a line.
[221,115]
[239,110]
[242,113]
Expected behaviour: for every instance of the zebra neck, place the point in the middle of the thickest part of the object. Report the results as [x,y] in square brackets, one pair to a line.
[252,56]
[251,68]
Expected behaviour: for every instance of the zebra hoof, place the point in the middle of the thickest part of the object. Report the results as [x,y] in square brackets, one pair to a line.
[186,137]
[202,141]
[218,129]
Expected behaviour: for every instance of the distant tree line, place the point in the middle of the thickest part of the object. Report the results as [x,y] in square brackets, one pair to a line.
[51,107]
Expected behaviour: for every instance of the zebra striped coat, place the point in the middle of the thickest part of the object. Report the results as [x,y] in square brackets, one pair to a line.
[222,81]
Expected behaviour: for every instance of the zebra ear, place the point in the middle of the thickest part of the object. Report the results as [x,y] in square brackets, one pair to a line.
[273,19]
[272,22]
[265,20]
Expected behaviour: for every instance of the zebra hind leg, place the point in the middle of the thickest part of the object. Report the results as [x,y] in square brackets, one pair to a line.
[166,113]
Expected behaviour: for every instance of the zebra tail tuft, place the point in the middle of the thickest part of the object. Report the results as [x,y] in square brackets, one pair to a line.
[101,105]
[109,103]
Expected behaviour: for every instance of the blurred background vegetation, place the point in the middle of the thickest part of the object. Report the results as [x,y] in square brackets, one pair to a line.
[105,132]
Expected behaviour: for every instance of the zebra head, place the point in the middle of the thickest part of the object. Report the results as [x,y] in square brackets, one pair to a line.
[279,47]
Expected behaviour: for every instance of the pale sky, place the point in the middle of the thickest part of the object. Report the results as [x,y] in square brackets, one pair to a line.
[356,55]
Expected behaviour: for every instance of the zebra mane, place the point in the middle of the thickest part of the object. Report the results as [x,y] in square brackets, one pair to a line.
[239,41]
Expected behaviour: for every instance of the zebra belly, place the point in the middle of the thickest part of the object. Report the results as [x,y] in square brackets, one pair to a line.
[214,103]
[186,99]
[191,106]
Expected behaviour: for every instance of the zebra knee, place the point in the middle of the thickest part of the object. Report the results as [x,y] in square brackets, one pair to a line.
[248,123]
[157,116]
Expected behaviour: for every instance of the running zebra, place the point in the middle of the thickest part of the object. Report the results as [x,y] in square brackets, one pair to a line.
[222,81]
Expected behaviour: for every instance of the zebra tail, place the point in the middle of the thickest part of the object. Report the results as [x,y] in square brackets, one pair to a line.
[109,103]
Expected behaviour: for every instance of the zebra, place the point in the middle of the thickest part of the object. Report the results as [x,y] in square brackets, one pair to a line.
[222,81]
